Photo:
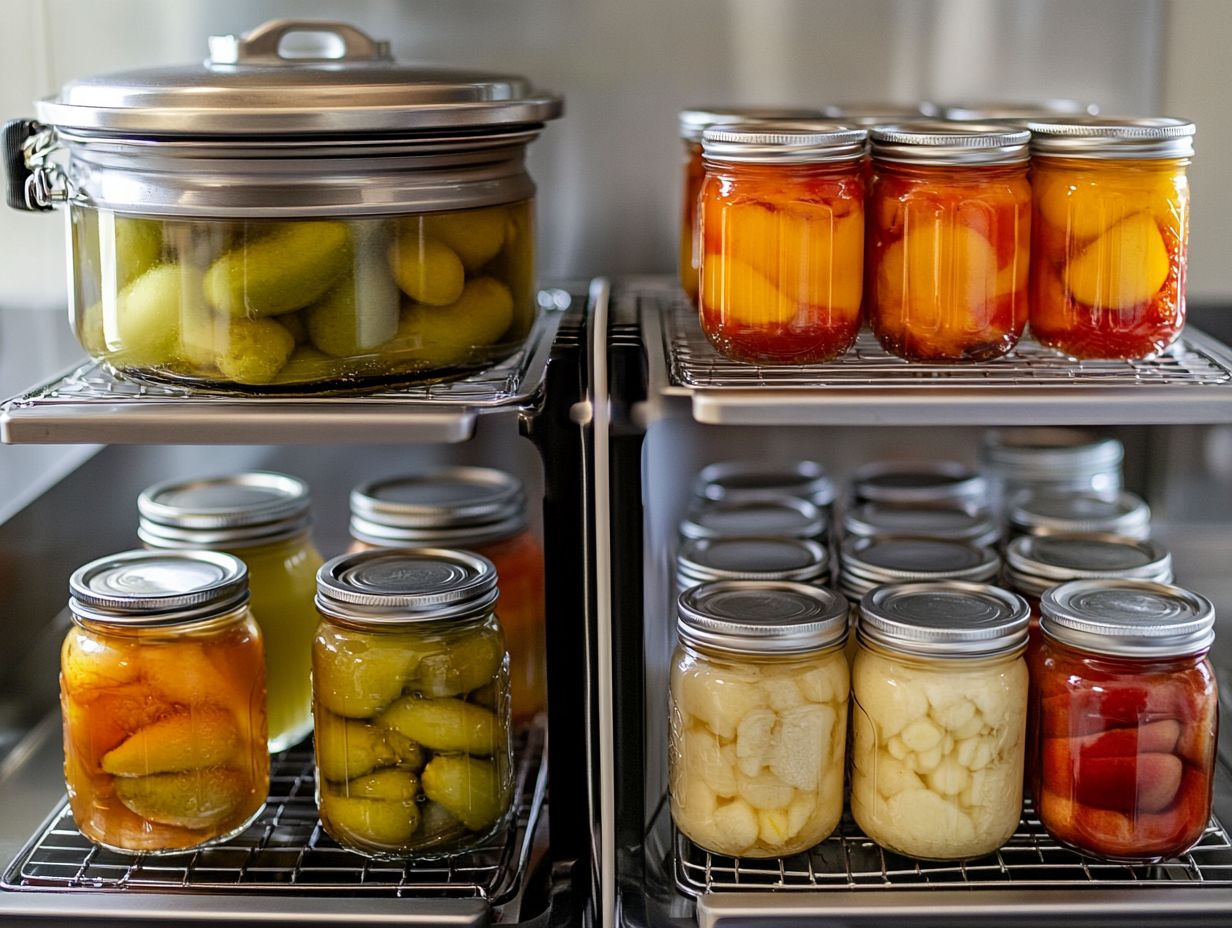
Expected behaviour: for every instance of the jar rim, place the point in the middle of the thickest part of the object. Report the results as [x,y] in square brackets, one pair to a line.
[761,616]
[1128,618]
[946,618]
[942,143]
[1114,137]
[158,588]
[811,142]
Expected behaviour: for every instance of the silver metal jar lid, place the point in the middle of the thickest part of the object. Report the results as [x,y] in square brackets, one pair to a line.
[230,511]
[750,558]
[1020,111]
[729,480]
[1128,618]
[761,617]
[158,588]
[395,586]
[870,113]
[1113,137]
[1050,454]
[1044,512]
[444,507]
[951,523]
[918,482]
[1035,563]
[697,119]
[250,87]
[774,515]
[950,618]
[784,142]
[869,562]
[950,143]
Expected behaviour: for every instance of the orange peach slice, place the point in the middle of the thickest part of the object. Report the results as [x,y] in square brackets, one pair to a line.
[1123,267]
[203,737]
[937,276]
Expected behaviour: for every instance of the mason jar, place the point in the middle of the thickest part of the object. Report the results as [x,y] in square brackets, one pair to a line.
[265,520]
[1017,112]
[1111,234]
[773,515]
[751,557]
[939,714]
[733,480]
[1041,512]
[1128,716]
[869,562]
[482,510]
[162,689]
[918,483]
[1050,459]
[947,523]
[758,717]
[411,703]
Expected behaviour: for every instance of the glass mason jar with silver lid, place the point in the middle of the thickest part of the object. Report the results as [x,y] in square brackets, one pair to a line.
[162,686]
[940,690]
[773,515]
[918,483]
[869,562]
[948,523]
[411,702]
[482,510]
[1128,706]
[1042,512]
[734,480]
[1050,459]
[269,222]
[758,723]
[751,557]
[265,520]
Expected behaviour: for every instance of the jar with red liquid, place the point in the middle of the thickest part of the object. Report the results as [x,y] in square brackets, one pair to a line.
[949,240]
[693,122]
[782,241]
[1128,714]
[1111,231]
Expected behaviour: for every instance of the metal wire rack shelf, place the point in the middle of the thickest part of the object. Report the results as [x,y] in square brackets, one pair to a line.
[286,851]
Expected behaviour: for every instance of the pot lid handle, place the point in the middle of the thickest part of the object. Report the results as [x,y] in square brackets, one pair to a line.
[263,45]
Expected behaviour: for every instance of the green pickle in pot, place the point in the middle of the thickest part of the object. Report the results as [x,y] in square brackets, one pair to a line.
[348,748]
[256,351]
[476,235]
[468,788]
[445,724]
[357,677]
[144,330]
[394,784]
[445,336]
[426,270]
[367,822]
[358,314]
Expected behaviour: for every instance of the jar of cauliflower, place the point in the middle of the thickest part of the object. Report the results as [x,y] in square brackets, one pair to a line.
[758,722]
[940,690]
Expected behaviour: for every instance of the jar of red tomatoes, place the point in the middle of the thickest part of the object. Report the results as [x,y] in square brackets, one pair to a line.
[1111,234]
[949,240]
[782,240]
[693,122]
[1128,713]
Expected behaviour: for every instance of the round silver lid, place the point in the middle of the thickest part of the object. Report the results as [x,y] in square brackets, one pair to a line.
[1113,137]
[916,482]
[1020,111]
[1050,453]
[240,510]
[952,523]
[446,506]
[901,558]
[945,143]
[1128,618]
[728,480]
[1036,563]
[403,585]
[697,119]
[762,616]
[870,113]
[1042,512]
[157,588]
[750,558]
[782,516]
[784,142]
[254,85]
[949,618]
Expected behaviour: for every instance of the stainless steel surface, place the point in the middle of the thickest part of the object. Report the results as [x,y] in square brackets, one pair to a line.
[88,404]
[1191,383]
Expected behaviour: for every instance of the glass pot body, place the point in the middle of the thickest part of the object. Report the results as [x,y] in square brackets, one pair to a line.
[307,304]
[694,172]
[413,747]
[1126,751]
[782,250]
[164,731]
[1108,256]
[757,749]
[937,751]
[950,249]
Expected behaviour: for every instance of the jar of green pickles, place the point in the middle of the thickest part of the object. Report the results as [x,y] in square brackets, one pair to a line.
[263,519]
[411,702]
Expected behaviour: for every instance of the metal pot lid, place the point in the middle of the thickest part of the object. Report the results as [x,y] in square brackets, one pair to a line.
[1050,453]
[949,618]
[401,585]
[782,516]
[931,142]
[251,86]
[916,482]
[728,480]
[1038,562]
[1045,511]
[1113,137]
[697,119]
[1128,618]
[156,588]
[750,558]
[762,616]
[785,142]
[897,559]
[952,523]
[252,507]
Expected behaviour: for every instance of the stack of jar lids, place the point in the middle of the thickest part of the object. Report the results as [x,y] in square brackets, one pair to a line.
[947,523]
[870,562]
[1035,564]
[1064,460]
[921,483]
[774,515]
[733,480]
[741,557]
[1047,512]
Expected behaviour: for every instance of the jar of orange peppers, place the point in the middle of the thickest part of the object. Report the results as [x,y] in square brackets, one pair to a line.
[1111,234]
[693,122]
[482,510]
[949,240]
[782,240]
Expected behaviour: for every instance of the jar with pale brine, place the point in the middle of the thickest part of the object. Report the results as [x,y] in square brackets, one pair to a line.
[940,705]
[163,695]
[1111,234]
[411,703]
[758,716]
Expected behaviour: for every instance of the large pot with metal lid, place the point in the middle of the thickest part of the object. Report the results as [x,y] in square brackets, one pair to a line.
[276,222]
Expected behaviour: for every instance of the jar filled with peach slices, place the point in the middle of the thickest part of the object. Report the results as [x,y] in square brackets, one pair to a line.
[1111,234]
[782,240]
[949,240]
[162,687]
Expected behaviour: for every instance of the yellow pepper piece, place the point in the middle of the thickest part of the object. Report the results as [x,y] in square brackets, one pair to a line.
[1124,267]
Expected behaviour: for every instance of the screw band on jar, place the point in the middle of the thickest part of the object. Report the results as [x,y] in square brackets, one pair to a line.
[782,516]
[232,511]
[1036,563]
[975,526]
[750,557]
[1043,512]
[932,483]
[872,561]
[762,616]
[729,480]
